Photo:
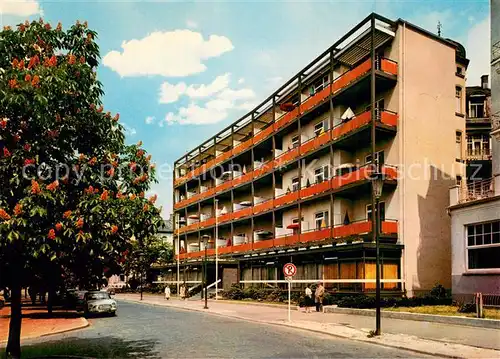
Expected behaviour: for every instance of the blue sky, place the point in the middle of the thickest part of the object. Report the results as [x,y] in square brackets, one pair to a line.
[179,72]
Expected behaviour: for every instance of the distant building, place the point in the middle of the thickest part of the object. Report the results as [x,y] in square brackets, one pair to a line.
[166,231]
[475,206]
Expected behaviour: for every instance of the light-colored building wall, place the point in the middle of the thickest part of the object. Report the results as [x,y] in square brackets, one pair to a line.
[426,139]
[495,86]
[466,281]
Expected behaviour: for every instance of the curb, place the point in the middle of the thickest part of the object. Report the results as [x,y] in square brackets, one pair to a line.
[83,325]
[444,319]
[284,324]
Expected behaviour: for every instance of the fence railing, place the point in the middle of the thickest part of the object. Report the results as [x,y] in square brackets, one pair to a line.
[477,190]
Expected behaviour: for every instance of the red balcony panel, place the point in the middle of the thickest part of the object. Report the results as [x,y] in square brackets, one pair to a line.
[389,118]
[315,235]
[286,157]
[314,100]
[183,256]
[352,229]
[288,117]
[225,217]
[361,69]
[247,177]
[389,227]
[323,139]
[242,147]
[287,198]
[210,252]
[281,241]
[210,164]
[315,189]
[291,240]
[207,223]
[225,250]
[242,248]
[224,186]
[242,213]
[389,66]
[390,172]
[307,146]
[263,244]
[262,135]
[264,206]
[266,167]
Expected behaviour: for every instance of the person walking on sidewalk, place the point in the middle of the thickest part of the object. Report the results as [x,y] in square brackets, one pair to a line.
[167,292]
[308,299]
[318,296]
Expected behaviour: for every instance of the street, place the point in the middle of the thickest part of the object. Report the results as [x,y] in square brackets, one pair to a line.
[144,331]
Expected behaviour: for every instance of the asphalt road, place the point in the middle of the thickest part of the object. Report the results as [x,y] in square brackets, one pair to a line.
[143,331]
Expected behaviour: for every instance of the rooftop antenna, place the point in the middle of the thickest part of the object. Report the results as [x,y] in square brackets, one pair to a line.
[439,26]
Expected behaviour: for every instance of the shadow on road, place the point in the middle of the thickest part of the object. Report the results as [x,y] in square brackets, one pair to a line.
[102,347]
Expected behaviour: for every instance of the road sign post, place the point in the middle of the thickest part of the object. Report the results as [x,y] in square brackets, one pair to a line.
[289,270]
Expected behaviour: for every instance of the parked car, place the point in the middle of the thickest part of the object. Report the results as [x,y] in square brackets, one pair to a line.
[99,302]
[80,300]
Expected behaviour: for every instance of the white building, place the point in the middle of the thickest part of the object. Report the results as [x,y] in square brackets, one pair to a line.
[475,208]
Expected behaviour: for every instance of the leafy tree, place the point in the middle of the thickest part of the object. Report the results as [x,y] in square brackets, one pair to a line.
[71,191]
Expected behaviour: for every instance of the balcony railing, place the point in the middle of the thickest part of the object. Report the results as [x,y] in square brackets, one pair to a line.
[338,84]
[334,183]
[336,233]
[477,190]
[478,154]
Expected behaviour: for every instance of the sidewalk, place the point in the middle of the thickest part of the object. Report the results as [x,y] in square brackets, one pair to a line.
[422,337]
[36,322]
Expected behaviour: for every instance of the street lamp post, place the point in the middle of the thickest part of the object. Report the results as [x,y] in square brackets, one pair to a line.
[205,275]
[178,251]
[377,180]
[216,250]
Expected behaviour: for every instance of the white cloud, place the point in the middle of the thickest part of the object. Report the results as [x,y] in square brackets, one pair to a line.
[130,131]
[191,24]
[19,7]
[478,52]
[172,54]
[234,95]
[247,106]
[149,120]
[170,93]
[196,115]
[241,81]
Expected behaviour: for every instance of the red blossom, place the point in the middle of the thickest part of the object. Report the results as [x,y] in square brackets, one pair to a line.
[117,117]
[59,226]
[27,78]
[67,214]
[4,215]
[35,81]
[111,172]
[3,123]
[53,186]
[6,152]
[59,26]
[114,229]
[153,199]
[35,60]
[35,187]
[99,110]
[18,209]
[104,195]
[93,161]
[27,147]
[140,153]
[146,207]
[13,83]
[71,59]
[15,62]
[82,60]
[29,161]
[47,26]
[51,234]
[79,223]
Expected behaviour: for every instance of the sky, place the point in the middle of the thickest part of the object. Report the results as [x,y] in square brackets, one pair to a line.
[179,72]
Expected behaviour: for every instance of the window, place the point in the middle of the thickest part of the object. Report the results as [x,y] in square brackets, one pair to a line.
[122,277]
[319,128]
[319,85]
[379,158]
[295,184]
[476,110]
[321,174]
[295,141]
[321,220]
[296,220]
[458,142]
[483,245]
[369,211]
[379,106]
[458,99]
[478,145]
[459,70]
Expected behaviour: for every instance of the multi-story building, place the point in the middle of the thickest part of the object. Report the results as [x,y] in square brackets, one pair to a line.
[478,128]
[166,231]
[289,180]
[475,207]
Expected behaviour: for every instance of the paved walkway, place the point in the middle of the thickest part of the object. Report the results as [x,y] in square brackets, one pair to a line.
[424,337]
[36,322]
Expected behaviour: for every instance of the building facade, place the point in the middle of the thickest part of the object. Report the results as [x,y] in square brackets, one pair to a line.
[289,182]
[166,231]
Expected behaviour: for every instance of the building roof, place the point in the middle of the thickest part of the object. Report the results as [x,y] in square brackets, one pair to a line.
[166,226]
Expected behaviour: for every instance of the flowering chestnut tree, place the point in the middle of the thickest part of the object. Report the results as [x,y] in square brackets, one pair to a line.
[71,191]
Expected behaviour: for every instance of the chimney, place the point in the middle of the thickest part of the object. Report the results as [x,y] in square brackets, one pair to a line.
[484,81]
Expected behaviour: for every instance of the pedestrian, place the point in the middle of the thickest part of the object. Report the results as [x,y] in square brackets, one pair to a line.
[167,292]
[318,296]
[183,292]
[308,299]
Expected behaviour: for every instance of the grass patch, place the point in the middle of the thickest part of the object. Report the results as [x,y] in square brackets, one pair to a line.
[445,310]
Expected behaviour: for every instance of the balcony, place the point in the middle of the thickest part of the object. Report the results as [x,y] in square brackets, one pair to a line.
[384,66]
[336,183]
[478,154]
[476,190]
[335,234]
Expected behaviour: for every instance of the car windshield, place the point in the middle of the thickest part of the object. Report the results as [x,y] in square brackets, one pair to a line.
[97,296]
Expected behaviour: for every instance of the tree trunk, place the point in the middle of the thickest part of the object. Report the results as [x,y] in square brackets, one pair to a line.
[50,302]
[13,349]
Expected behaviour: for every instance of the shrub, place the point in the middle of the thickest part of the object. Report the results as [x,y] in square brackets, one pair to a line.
[466,307]
[234,293]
